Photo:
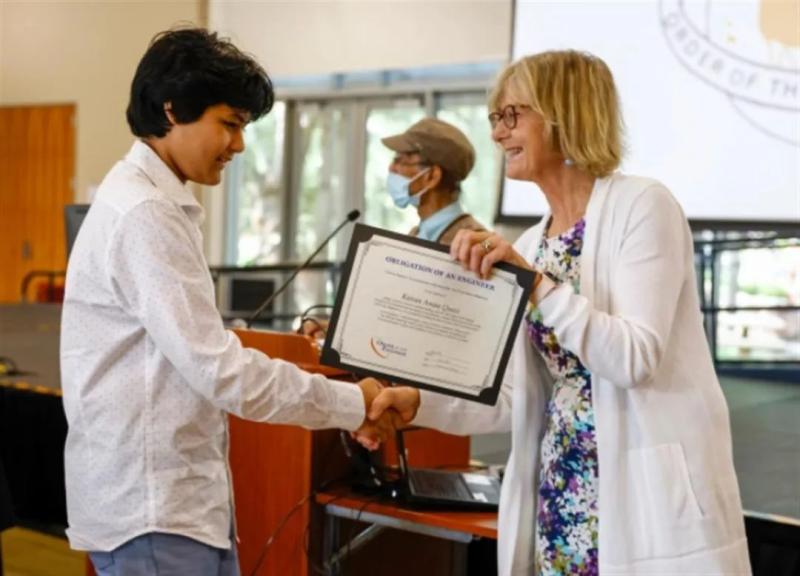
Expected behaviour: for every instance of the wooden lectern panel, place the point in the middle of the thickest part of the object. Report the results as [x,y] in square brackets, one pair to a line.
[272,472]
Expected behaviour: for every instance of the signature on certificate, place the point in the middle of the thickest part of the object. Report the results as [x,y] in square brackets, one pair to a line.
[443,361]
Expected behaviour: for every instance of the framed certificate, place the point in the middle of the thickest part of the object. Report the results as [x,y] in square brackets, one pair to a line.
[408,313]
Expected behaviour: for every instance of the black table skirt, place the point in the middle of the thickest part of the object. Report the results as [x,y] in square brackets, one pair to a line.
[33,430]
[6,512]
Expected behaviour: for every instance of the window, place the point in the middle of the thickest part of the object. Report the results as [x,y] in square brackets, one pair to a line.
[322,156]
[761,288]
[255,209]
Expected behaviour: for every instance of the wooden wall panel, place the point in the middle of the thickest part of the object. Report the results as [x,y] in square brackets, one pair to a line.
[37,167]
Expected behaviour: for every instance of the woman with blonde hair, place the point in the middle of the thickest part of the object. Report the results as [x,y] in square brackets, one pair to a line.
[621,458]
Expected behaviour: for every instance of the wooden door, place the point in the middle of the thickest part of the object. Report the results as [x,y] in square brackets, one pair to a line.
[37,167]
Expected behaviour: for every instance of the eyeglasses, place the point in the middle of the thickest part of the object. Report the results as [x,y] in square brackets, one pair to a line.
[508,115]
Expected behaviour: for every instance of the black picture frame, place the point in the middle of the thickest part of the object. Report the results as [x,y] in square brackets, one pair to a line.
[330,357]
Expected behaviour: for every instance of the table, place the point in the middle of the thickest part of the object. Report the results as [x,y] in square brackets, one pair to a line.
[342,502]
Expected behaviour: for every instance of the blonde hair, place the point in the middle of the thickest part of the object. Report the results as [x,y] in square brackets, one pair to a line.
[575,94]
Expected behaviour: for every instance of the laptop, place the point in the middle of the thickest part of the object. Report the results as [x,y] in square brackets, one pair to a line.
[73,218]
[425,486]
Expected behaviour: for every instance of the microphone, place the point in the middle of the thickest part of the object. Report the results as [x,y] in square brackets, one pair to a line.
[351,217]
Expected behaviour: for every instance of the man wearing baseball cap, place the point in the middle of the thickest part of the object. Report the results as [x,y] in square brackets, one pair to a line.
[431,160]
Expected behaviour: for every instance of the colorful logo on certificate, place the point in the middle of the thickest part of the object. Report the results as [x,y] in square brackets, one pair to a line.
[383,349]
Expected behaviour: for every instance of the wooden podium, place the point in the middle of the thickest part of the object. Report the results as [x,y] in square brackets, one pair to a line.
[275,469]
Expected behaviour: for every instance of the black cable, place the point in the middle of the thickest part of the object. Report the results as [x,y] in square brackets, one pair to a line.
[321,570]
[304,539]
[385,471]
[314,321]
[300,503]
[314,491]
[352,216]
[314,307]
[304,317]
[353,535]
[277,531]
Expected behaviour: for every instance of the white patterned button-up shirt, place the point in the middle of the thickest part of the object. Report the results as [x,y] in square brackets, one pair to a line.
[149,373]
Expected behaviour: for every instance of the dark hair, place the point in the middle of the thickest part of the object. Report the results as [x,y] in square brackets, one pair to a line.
[448,181]
[193,69]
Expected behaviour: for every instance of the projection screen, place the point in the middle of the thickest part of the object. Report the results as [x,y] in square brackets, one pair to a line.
[710,95]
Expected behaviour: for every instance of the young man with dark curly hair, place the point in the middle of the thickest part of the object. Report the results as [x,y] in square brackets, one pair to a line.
[149,373]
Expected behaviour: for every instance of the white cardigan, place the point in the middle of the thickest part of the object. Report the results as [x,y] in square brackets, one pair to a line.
[668,496]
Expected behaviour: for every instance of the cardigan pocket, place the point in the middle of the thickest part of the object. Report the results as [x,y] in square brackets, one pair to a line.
[665,502]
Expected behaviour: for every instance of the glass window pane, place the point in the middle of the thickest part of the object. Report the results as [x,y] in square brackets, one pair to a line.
[479,191]
[759,277]
[382,121]
[323,144]
[257,184]
[323,156]
[759,335]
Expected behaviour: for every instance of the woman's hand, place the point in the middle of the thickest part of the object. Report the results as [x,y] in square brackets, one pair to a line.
[404,400]
[388,409]
[479,251]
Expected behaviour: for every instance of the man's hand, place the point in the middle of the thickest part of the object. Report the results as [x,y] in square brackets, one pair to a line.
[390,409]
[403,400]
[375,430]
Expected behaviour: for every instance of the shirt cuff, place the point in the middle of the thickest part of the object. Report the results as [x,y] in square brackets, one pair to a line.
[430,409]
[348,411]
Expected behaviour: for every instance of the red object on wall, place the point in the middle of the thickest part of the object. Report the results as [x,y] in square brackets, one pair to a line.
[50,292]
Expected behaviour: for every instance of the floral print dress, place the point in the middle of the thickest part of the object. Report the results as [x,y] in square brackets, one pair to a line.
[566,516]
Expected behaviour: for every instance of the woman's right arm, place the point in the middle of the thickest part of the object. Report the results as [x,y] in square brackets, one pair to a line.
[459,416]
[445,413]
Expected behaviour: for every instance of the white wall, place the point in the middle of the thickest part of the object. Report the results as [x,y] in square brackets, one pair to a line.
[83,53]
[304,37]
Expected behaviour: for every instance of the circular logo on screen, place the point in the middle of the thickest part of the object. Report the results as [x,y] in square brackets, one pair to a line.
[749,51]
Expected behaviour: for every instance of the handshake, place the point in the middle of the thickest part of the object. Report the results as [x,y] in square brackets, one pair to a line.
[387,408]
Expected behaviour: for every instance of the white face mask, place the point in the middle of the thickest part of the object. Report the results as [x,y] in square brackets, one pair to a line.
[398,186]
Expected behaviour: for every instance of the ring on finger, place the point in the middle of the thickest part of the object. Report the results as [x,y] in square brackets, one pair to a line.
[486,245]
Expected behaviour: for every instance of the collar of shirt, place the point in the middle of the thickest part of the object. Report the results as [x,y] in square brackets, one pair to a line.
[165,180]
[434,225]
